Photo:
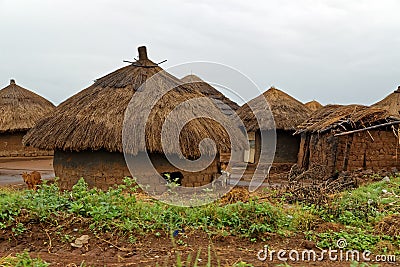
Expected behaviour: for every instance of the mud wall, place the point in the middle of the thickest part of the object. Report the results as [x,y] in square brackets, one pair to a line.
[103,169]
[374,150]
[11,146]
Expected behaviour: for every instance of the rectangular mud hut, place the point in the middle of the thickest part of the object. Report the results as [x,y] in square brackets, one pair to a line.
[287,113]
[20,110]
[349,138]
[86,131]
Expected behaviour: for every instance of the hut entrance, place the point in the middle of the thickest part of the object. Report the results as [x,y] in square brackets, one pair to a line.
[250,155]
[287,147]
[304,152]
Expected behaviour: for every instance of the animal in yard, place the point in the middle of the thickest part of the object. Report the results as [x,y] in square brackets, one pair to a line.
[32,179]
[225,177]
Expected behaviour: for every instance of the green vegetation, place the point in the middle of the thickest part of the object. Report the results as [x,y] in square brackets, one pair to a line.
[119,209]
[357,214]
[359,211]
[22,260]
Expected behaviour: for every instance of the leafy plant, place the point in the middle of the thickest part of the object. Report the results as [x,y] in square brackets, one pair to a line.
[22,260]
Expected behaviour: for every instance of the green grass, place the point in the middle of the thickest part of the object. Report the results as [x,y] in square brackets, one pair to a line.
[359,211]
[22,260]
[119,210]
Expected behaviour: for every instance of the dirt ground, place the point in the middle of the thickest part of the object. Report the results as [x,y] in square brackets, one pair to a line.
[12,168]
[149,250]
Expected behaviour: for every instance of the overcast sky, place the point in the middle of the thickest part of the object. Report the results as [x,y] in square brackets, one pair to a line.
[334,51]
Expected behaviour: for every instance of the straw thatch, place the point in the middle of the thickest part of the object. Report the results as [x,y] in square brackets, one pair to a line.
[21,108]
[391,103]
[287,111]
[313,105]
[93,118]
[342,118]
[209,91]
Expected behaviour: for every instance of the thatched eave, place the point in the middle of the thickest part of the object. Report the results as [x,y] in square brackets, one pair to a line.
[343,118]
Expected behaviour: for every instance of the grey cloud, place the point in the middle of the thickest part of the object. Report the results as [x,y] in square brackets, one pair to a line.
[334,51]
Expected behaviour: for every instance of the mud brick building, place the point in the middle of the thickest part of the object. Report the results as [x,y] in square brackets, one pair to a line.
[348,138]
[20,109]
[86,131]
[287,113]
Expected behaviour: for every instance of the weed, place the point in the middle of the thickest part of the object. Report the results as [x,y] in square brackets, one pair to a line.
[22,260]
[18,229]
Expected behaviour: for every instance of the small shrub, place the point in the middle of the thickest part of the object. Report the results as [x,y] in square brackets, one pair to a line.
[22,260]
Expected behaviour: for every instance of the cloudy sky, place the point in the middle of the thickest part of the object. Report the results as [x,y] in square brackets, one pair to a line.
[334,51]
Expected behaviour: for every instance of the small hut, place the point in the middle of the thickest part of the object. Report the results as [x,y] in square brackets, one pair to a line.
[348,138]
[86,130]
[226,105]
[313,105]
[20,110]
[287,112]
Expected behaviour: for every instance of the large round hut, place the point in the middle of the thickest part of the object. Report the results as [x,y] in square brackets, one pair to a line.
[227,106]
[288,113]
[86,130]
[20,110]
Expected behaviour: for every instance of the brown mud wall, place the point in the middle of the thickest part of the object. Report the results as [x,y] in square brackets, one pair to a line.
[369,150]
[11,146]
[103,169]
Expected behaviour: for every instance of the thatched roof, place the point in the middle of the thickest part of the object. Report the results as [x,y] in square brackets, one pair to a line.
[391,103]
[209,91]
[21,108]
[313,105]
[342,118]
[287,111]
[93,118]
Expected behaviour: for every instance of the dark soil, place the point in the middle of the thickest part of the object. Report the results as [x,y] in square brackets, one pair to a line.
[107,249]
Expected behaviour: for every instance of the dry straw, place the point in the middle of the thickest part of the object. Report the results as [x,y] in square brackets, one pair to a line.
[313,105]
[333,116]
[288,112]
[209,91]
[21,108]
[93,118]
[391,103]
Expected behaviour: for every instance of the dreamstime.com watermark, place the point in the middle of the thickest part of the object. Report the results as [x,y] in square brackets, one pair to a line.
[315,255]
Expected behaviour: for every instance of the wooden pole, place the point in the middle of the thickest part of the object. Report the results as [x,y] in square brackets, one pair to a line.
[369,128]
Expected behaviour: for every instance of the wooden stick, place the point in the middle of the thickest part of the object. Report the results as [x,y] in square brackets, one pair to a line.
[369,128]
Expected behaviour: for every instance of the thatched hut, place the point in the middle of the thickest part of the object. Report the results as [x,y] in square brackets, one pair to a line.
[20,110]
[313,105]
[348,138]
[227,106]
[391,103]
[287,112]
[86,130]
